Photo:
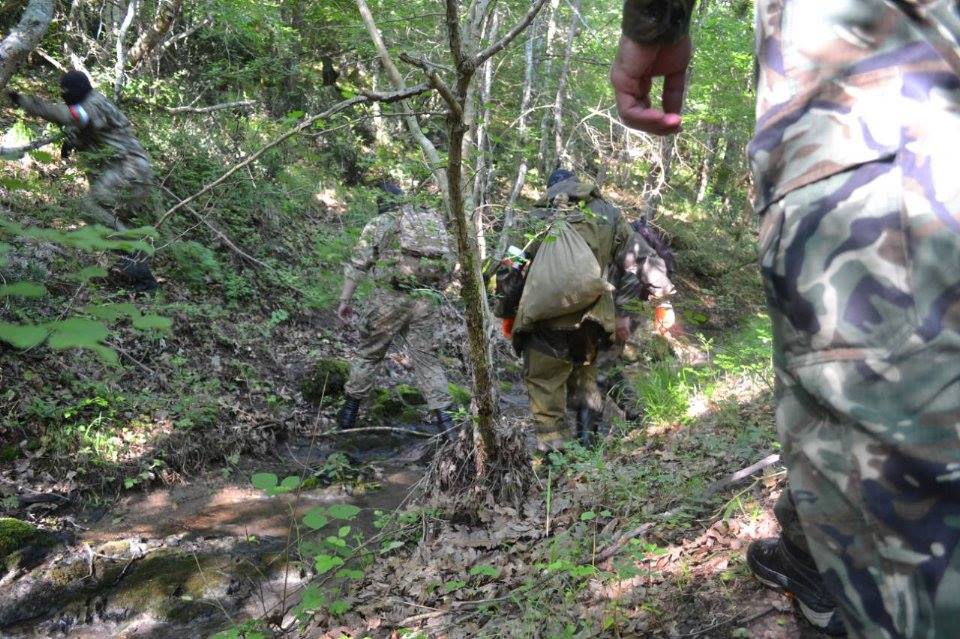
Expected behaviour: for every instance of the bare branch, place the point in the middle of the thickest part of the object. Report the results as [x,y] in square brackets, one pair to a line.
[453,32]
[242,104]
[369,96]
[19,151]
[437,82]
[498,46]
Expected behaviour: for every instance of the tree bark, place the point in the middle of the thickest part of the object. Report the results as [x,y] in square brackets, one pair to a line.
[122,50]
[150,39]
[24,37]
[547,73]
[482,177]
[555,157]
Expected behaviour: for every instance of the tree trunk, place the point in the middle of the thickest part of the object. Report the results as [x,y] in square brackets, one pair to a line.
[24,37]
[150,39]
[547,73]
[482,176]
[709,158]
[555,157]
[122,50]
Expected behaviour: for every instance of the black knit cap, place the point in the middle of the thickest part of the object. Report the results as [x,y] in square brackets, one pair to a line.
[559,175]
[387,200]
[75,87]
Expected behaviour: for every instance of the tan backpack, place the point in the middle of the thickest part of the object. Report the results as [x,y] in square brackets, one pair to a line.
[563,278]
[425,256]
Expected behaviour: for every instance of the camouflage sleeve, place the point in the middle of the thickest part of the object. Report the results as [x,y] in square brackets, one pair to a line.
[656,21]
[939,22]
[366,251]
[50,111]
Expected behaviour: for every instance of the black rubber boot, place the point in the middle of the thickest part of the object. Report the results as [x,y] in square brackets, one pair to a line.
[348,414]
[586,427]
[135,270]
[787,570]
[444,423]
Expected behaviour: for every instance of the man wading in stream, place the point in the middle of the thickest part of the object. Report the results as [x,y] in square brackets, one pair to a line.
[120,175]
[858,105]
[405,250]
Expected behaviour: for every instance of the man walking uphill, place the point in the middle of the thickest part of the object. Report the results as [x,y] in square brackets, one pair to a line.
[586,267]
[405,250]
[858,126]
[121,177]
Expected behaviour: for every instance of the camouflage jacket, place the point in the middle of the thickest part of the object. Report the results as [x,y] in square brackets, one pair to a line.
[95,123]
[836,81]
[377,254]
[627,261]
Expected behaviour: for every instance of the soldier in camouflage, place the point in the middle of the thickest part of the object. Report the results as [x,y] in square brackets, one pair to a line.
[858,123]
[121,177]
[559,355]
[398,313]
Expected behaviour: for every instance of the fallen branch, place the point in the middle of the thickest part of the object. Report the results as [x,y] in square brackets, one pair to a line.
[739,622]
[17,152]
[620,542]
[376,429]
[242,104]
[223,238]
[740,475]
[368,96]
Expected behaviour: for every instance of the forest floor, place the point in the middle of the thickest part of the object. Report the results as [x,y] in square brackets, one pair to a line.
[139,483]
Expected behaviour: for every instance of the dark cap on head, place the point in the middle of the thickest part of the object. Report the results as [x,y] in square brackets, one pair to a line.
[559,175]
[75,87]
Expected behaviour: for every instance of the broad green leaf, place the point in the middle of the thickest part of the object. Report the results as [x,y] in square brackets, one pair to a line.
[344,531]
[455,584]
[315,518]
[312,598]
[290,483]
[588,516]
[350,573]
[345,512]
[43,157]
[76,333]
[326,563]
[23,289]
[263,481]
[486,571]
[390,545]
[154,322]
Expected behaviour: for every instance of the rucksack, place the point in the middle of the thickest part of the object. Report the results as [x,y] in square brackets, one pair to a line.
[564,277]
[656,242]
[424,246]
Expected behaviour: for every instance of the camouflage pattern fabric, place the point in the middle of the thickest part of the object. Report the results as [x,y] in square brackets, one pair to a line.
[398,319]
[121,179]
[858,124]
[393,317]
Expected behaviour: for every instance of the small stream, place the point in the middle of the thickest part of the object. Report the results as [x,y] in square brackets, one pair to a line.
[181,562]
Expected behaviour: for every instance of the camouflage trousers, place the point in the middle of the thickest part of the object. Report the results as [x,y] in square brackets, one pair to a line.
[862,276]
[392,318]
[559,369]
[119,192]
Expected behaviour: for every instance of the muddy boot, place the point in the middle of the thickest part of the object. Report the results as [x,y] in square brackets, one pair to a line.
[348,414]
[444,423]
[586,427]
[136,274]
[784,569]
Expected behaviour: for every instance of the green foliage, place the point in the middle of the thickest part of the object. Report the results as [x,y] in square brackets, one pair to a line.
[193,264]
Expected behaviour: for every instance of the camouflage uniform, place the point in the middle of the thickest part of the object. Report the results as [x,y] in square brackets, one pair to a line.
[121,179]
[858,122]
[394,314]
[559,355]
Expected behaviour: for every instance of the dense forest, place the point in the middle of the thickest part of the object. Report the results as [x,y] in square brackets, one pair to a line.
[170,464]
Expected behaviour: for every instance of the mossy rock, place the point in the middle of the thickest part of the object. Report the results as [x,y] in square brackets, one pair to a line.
[326,381]
[15,534]
[400,403]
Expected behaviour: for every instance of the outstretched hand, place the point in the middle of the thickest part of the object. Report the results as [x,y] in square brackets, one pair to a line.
[634,69]
[345,313]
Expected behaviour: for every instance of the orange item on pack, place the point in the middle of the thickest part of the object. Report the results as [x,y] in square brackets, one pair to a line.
[507,326]
[664,318]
